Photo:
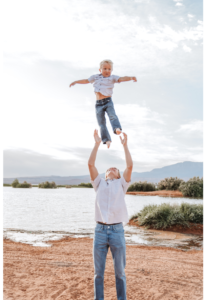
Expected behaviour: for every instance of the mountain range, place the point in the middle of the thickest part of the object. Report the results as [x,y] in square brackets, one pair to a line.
[184,170]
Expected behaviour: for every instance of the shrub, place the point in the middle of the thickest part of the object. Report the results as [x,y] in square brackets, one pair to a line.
[88,185]
[171,183]
[192,188]
[24,185]
[141,187]
[16,184]
[192,212]
[165,215]
[47,185]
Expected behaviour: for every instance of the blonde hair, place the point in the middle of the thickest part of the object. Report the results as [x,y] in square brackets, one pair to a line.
[119,176]
[106,61]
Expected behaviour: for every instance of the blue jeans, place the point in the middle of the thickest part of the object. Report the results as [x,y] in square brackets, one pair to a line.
[102,106]
[109,236]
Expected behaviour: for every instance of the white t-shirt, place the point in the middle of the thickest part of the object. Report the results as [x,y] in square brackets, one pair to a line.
[110,206]
[104,85]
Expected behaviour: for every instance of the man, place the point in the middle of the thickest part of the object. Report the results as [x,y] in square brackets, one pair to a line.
[110,216]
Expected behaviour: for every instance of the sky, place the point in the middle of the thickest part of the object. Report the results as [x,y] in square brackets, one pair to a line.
[48,127]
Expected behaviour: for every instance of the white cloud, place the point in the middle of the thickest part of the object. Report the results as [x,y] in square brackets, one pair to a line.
[186,48]
[56,30]
[194,126]
[177,0]
[190,16]
[179,4]
[70,34]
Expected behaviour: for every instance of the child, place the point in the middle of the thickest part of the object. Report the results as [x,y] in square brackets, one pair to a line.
[103,87]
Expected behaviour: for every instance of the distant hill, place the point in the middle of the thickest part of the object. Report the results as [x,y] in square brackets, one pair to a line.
[184,170]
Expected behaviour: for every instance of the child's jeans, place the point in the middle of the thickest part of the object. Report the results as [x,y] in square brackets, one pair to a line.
[109,236]
[102,106]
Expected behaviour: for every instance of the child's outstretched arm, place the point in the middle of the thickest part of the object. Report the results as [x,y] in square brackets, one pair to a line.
[83,81]
[127,78]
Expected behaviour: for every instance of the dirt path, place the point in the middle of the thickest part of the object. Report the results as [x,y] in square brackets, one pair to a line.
[162,193]
[65,271]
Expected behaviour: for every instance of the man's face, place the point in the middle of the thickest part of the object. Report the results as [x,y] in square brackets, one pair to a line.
[112,173]
[106,70]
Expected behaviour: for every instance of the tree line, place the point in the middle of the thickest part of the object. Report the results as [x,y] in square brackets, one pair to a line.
[46,185]
[191,188]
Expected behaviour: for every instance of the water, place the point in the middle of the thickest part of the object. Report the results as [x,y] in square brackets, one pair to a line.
[35,216]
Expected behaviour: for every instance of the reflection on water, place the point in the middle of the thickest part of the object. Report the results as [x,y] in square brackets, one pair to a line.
[35,216]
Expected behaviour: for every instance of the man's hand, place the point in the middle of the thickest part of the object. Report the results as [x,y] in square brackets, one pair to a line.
[134,79]
[96,137]
[124,140]
[73,83]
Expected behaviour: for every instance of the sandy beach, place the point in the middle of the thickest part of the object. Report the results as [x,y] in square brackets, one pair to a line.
[65,271]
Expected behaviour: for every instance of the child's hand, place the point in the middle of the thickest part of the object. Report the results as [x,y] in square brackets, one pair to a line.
[96,137]
[73,83]
[124,140]
[134,79]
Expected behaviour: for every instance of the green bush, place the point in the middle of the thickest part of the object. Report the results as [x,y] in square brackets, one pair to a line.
[88,185]
[24,185]
[192,212]
[165,215]
[192,188]
[47,185]
[142,187]
[171,183]
[16,184]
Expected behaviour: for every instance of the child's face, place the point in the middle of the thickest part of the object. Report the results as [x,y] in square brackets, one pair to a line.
[106,70]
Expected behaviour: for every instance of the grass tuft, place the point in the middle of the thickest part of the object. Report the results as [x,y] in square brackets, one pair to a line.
[165,215]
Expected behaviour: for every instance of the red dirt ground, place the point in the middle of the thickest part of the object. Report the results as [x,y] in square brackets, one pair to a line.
[65,272]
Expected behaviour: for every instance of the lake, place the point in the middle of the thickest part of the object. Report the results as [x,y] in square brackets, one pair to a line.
[35,215]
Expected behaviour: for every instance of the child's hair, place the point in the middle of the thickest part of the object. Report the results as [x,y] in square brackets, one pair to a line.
[108,61]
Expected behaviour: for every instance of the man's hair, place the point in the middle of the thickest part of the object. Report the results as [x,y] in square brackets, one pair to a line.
[118,173]
[108,61]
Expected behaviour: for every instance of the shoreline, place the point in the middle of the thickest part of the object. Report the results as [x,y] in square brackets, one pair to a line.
[162,193]
[196,229]
[65,271]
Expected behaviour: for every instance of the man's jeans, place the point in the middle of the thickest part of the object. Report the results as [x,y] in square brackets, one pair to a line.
[109,236]
[102,106]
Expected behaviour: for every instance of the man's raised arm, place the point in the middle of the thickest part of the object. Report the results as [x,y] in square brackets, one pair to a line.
[128,171]
[91,162]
